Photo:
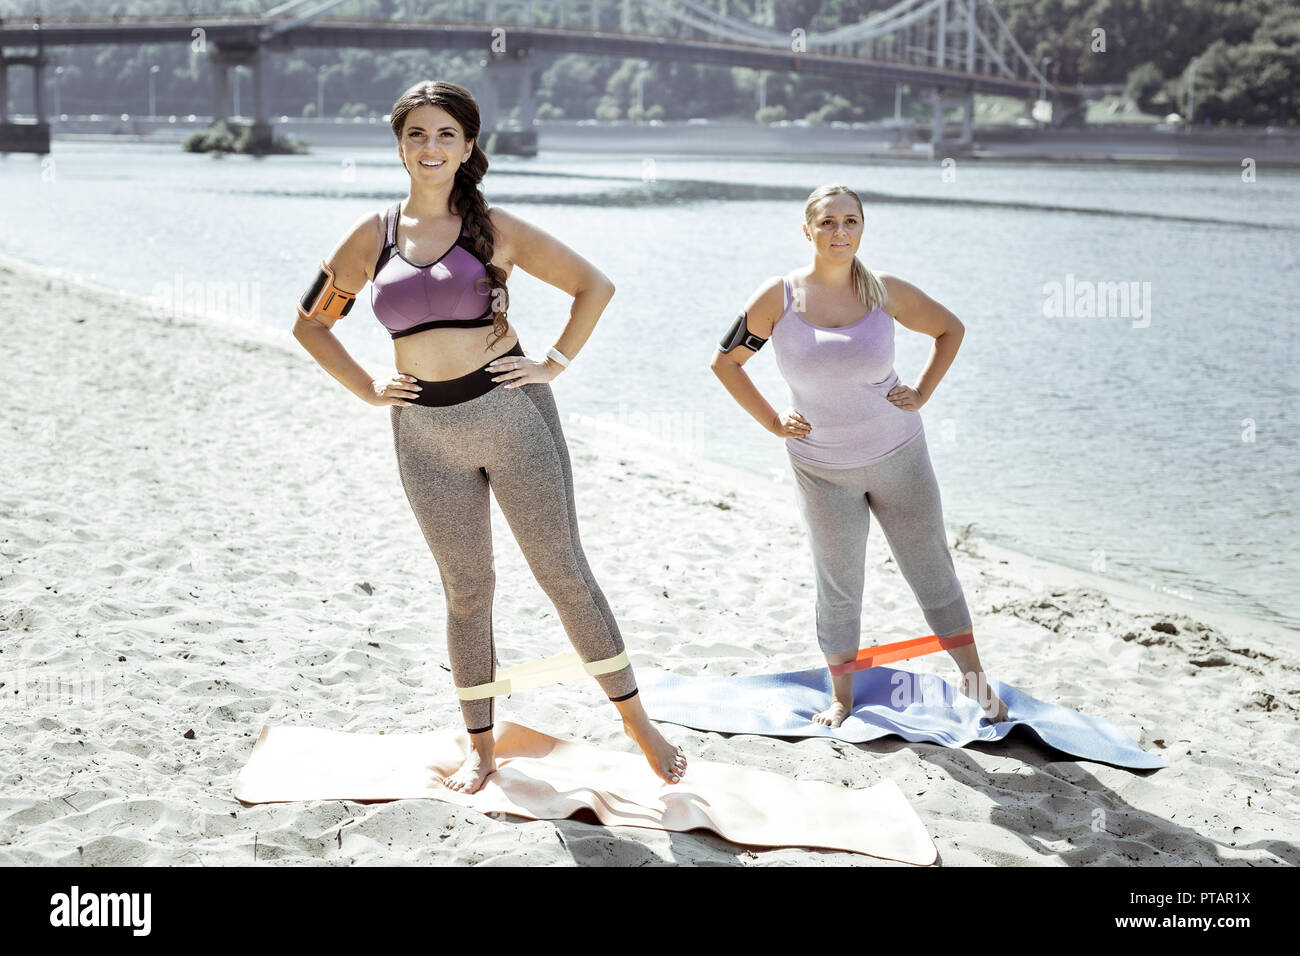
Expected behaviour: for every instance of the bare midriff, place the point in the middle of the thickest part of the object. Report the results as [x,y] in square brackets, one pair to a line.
[436,355]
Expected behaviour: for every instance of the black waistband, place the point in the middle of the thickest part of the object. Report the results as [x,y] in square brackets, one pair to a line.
[453,391]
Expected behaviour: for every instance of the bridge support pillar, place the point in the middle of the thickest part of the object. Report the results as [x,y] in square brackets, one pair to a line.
[506,78]
[941,102]
[37,62]
[221,59]
[24,137]
[261,98]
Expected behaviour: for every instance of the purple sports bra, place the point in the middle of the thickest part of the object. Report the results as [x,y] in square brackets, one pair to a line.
[452,291]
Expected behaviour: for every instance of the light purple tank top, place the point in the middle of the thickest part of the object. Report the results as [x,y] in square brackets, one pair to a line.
[838,381]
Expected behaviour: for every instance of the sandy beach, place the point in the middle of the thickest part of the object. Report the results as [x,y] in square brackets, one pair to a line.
[202,533]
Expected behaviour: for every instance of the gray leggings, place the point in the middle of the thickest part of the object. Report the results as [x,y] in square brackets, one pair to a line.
[837,504]
[510,440]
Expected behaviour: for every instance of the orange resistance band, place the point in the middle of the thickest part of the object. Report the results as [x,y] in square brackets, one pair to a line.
[887,653]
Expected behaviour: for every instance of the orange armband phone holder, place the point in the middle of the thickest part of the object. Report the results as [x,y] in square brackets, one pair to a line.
[324,299]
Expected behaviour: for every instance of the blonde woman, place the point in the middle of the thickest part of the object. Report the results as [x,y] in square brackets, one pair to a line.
[854,437]
[470,410]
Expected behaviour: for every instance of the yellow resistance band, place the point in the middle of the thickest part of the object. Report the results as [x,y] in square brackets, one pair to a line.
[553,670]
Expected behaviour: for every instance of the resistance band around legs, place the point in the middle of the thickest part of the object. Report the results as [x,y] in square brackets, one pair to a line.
[553,670]
[901,650]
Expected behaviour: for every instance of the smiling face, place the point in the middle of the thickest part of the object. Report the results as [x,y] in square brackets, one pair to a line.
[835,228]
[433,145]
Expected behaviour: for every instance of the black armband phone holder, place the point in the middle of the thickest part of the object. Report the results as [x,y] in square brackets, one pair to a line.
[739,334]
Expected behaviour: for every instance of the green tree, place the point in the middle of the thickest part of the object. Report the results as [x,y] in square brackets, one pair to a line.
[1145,84]
[574,83]
[607,109]
[1255,81]
[836,108]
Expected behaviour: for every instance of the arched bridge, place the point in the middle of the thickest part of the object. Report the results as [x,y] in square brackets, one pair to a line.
[952,48]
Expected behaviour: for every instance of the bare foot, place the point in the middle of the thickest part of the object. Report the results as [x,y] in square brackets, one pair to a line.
[978,689]
[666,759]
[476,768]
[833,715]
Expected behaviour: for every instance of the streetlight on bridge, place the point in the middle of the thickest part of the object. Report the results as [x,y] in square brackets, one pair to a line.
[1043,111]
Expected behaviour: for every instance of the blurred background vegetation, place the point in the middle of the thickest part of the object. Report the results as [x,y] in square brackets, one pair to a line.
[1244,54]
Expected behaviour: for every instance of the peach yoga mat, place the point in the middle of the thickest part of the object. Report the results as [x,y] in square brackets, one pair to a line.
[546,778]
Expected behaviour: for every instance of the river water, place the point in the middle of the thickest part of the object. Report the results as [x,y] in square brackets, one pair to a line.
[1157,445]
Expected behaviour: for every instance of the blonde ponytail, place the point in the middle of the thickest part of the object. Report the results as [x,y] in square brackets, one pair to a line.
[867,286]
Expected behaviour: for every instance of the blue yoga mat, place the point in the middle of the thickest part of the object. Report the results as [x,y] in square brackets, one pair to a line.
[886,701]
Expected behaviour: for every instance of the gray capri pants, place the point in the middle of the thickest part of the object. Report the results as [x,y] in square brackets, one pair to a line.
[902,492]
[509,440]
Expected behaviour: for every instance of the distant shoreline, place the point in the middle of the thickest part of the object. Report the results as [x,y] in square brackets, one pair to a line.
[1009,144]
[1096,145]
